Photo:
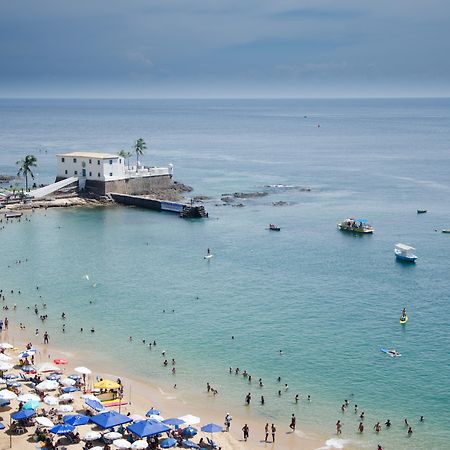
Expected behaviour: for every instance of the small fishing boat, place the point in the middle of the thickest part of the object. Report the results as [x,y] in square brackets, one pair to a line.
[273,227]
[13,215]
[356,226]
[421,211]
[403,319]
[446,231]
[405,252]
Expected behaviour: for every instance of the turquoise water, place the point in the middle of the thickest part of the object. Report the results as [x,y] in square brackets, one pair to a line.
[329,300]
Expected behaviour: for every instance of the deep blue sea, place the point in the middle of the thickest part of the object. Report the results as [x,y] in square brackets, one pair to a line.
[327,299]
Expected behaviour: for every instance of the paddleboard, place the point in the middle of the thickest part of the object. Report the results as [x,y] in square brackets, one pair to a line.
[208,256]
[388,352]
[403,320]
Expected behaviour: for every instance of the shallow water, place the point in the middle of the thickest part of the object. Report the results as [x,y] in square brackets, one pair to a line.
[328,299]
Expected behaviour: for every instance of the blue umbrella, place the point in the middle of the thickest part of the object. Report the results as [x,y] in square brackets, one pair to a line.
[145,428]
[23,414]
[212,428]
[54,377]
[153,411]
[31,404]
[109,419]
[74,376]
[94,404]
[28,368]
[69,389]
[76,419]
[189,432]
[62,429]
[2,427]
[173,421]
[10,376]
[4,403]
[167,443]
[190,444]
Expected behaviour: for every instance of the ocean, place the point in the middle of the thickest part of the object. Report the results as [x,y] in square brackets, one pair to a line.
[327,299]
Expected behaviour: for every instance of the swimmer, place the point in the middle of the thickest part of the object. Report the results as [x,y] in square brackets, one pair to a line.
[388,423]
[296,398]
[361,427]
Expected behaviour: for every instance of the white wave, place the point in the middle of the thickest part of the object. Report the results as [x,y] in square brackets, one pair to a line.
[335,443]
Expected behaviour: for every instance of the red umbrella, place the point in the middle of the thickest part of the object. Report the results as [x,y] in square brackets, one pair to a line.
[60,361]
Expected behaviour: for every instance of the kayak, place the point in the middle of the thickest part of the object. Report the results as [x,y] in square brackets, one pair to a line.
[391,353]
[403,320]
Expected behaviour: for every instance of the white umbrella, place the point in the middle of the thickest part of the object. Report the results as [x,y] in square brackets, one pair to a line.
[6,346]
[190,420]
[92,436]
[51,400]
[28,397]
[47,385]
[6,394]
[89,397]
[65,397]
[122,443]
[139,445]
[137,417]
[67,382]
[44,421]
[98,447]
[83,370]
[5,358]
[2,381]
[5,366]
[156,417]
[112,435]
[48,367]
[65,408]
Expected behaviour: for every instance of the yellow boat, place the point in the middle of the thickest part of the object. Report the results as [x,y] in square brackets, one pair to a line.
[403,319]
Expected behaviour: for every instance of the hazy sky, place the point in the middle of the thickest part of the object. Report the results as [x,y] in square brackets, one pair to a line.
[197,48]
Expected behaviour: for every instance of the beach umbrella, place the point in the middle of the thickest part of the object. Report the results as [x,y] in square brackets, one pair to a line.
[65,408]
[76,419]
[189,444]
[109,419]
[146,428]
[60,361]
[44,422]
[13,383]
[51,400]
[2,381]
[23,414]
[212,428]
[10,376]
[92,436]
[168,443]
[122,443]
[54,377]
[189,432]
[152,411]
[6,346]
[47,367]
[107,384]
[47,385]
[62,429]
[94,404]
[112,435]
[2,427]
[89,396]
[137,417]
[65,397]
[67,382]
[6,394]
[83,370]
[142,444]
[74,376]
[28,397]
[69,389]
[173,421]
[28,368]
[190,419]
[31,404]
[5,358]
[5,366]
[155,417]
[25,354]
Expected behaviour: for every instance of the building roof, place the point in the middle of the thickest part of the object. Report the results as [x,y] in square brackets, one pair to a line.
[96,155]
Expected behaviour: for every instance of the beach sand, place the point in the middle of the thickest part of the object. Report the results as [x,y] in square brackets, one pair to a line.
[141,395]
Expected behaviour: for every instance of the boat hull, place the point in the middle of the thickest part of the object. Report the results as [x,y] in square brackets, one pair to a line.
[355,230]
[406,258]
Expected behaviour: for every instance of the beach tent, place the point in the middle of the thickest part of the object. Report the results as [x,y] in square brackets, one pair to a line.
[62,429]
[212,428]
[23,414]
[109,419]
[146,428]
[76,419]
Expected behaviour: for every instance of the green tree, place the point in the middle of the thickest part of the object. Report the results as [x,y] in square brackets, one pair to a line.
[25,166]
[125,155]
[139,147]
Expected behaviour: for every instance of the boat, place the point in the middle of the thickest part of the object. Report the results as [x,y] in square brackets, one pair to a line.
[403,319]
[404,252]
[391,352]
[356,226]
[446,231]
[13,215]
[273,227]
[421,211]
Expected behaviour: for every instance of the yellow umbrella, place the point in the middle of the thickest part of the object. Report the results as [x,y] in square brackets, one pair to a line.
[107,384]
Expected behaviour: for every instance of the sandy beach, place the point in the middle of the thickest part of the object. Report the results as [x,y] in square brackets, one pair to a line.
[140,395]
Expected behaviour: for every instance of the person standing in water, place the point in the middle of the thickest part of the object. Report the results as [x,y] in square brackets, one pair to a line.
[293,422]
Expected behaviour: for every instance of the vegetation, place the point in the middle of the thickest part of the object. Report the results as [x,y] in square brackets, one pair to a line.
[125,155]
[139,147]
[25,166]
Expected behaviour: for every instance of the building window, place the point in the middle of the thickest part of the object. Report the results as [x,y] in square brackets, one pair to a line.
[98,162]
[110,161]
[74,160]
[90,161]
[62,160]
[110,174]
[98,174]
[65,172]
[75,172]
[90,174]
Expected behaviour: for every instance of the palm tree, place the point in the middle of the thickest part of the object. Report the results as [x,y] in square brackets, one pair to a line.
[139,147]
[125,155]
[25,166]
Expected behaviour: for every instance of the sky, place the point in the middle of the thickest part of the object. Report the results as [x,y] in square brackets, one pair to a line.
[224,48]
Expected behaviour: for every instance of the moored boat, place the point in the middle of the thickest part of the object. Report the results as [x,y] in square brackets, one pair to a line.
[13,215]
[405,252]
[273,227]
[421,211]
[446,231]
[356,226]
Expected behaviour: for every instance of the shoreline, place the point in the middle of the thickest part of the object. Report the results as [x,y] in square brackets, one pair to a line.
[141,394]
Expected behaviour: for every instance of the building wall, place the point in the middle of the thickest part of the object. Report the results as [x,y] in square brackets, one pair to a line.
[95,169]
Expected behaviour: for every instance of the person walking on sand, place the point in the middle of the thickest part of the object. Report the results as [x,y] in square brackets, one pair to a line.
[266,429]
[274,430]
[293,422]
[228,420]
[245,430]
[338,427]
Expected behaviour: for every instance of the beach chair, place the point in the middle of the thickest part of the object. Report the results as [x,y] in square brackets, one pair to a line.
[212,444]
